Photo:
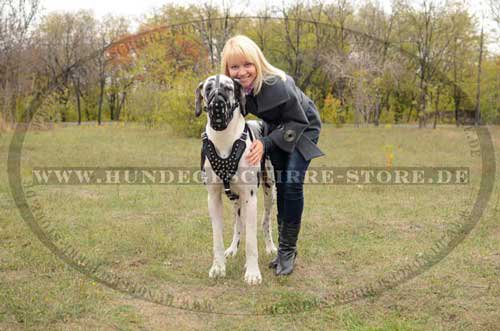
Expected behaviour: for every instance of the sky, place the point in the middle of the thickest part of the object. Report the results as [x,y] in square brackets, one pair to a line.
[135,9]
[103,7]
[132,8]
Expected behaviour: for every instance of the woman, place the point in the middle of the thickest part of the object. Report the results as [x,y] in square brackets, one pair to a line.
[293,126]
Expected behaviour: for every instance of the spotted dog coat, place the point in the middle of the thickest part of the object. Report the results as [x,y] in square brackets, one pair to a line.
[224,101]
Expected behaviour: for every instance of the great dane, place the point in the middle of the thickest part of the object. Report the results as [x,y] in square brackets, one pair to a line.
[226,142]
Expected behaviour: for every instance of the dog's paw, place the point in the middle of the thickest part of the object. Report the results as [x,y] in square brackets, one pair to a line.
[253,276]
[271,249]
[231,251]
[217,270]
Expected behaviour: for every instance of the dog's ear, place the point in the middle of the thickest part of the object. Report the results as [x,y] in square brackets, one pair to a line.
[198,98]
[239,92]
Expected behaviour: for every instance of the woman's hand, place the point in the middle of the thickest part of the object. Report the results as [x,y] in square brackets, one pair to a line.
[256,152]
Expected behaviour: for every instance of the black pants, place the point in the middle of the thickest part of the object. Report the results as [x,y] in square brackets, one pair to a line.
[289,172]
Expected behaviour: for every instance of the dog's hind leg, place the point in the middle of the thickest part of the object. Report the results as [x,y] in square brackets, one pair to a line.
[269,199]
[215,206]
[237,233]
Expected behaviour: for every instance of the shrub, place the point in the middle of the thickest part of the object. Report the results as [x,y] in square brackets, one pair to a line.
[156,105]
[330,111]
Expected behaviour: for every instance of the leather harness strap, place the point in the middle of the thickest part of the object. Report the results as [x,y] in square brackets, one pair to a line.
[225,168]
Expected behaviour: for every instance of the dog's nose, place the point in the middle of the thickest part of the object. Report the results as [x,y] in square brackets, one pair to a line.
[220,98]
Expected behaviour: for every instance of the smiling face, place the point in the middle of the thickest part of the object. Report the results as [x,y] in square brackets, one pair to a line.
[242,69]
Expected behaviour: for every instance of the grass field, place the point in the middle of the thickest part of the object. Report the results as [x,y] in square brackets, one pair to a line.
[160,237]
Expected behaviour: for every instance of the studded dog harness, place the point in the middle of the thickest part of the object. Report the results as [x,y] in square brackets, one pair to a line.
[225,168]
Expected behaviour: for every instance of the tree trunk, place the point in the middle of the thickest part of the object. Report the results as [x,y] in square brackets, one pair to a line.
[13,109]
[497,97]
[101,96]
[112,103]
[87,114]
[76,84]
[376,116]
[423,91]
[456,95]
[120,106]
[478,94]
[436,112]
[409,115]
[457,106]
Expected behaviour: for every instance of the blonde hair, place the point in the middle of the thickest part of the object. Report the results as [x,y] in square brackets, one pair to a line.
[243,46]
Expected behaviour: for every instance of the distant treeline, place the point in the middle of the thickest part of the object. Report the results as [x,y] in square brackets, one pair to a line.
[422,63]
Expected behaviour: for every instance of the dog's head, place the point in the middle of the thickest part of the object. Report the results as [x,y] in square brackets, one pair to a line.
[221,96]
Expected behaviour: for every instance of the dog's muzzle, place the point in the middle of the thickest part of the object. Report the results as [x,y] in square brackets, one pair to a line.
[218,108]
[219,114]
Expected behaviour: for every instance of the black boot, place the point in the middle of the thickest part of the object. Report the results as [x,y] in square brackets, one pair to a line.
[287,250]
[274,262]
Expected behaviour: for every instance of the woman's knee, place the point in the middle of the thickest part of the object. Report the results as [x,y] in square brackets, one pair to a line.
[293,191]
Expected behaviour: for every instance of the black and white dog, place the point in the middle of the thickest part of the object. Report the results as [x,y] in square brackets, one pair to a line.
[226,142]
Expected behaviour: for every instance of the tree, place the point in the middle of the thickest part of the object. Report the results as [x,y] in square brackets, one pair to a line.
[17,18]
[66,44]
[478,93]
[110,63]
[336,55]
[429,36]
[495,10]
[384,70]
[216,24]
[461,50]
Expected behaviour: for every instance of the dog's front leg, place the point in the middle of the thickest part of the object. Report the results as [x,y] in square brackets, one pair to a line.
[215,211]
[249,216]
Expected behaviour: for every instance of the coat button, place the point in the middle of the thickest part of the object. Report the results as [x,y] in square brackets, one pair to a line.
[289,135]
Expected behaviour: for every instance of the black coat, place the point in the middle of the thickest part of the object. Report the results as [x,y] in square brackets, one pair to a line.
[291,117]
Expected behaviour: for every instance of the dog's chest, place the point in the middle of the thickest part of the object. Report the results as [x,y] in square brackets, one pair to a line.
[224,160]
[224,167]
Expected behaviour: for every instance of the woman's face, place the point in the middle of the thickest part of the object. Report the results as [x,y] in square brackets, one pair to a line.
[242,69]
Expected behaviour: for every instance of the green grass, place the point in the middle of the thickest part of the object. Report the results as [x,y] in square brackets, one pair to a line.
[160,236]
